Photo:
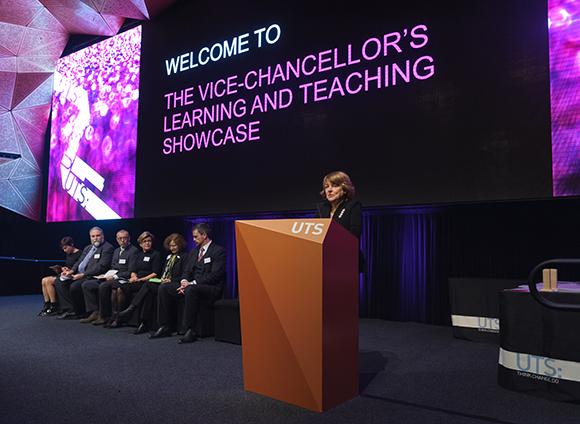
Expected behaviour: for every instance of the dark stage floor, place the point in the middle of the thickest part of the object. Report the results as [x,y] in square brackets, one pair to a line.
[54,371]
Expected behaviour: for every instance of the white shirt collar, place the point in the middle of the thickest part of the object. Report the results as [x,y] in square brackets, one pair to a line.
[203,248]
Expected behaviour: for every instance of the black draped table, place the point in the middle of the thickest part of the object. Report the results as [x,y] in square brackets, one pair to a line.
[540,347]
[474,306]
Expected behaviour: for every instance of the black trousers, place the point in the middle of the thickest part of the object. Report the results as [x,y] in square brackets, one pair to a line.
[146,297]
[192,296]
[70,295]
[129,289]
[105,307]
[91,294]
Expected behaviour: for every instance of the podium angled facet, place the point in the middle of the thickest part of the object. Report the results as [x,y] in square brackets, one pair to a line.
[298,286]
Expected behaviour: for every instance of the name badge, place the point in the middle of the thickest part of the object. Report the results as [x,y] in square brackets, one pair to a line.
[97,256]
[146,258]
[122,261]
[207,260]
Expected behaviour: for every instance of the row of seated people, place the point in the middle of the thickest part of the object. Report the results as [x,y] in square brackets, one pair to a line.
[95,285]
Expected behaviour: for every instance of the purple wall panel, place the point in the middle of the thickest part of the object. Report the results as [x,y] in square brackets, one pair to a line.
[94,131]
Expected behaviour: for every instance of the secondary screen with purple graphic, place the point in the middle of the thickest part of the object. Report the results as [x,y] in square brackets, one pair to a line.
[93,136]
[564,24]
[246,107]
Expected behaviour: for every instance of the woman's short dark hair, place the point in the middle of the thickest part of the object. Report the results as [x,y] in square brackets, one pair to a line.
[339,178]
[178,239]
[144,235]
[66,241]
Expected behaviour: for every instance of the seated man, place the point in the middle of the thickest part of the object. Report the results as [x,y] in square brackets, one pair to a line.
[204,278]
[97,293]
[95,260]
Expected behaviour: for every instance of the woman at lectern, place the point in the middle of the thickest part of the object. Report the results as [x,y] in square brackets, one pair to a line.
[143,266]
[67,245]
[339,204]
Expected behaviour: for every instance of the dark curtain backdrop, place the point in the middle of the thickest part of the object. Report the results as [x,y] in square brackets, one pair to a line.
[406,264]
[409,252]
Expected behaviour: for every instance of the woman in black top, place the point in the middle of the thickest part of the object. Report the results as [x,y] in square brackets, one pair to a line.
[73,254]
[143,266]
[339,204]
[172,271]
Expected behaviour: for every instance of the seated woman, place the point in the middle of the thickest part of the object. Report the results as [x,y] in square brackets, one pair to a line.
[339,204]
[147,295]
[67,245]
[143,265]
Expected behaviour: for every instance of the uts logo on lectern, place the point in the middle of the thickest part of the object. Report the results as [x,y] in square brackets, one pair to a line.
[307,228]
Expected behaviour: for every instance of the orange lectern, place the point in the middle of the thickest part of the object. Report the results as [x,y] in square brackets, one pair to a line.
[298,285]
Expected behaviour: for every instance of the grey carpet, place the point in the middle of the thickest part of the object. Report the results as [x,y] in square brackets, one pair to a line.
[54,371]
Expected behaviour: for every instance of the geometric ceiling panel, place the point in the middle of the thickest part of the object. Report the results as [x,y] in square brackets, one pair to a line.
[23,170]
[29,189]
[41,94]
[6,168]
[4,52]
[46,21]
[19,12]
[37,116]
[114,23]
[26,84]
[126,8]
[34,138]
[34,159]
[9,64]
[11,37]
[95,4]
[38,42]
[8,142]
[7,80]
[78,18]
[35,64]
[10,199]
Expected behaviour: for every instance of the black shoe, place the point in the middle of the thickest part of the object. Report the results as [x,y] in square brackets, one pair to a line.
[91,318]
[67,315]
[115,324]
[189,337]
[100,321]
[125,315]
[162,331]
[45,308]
[141,329]
[52,310]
